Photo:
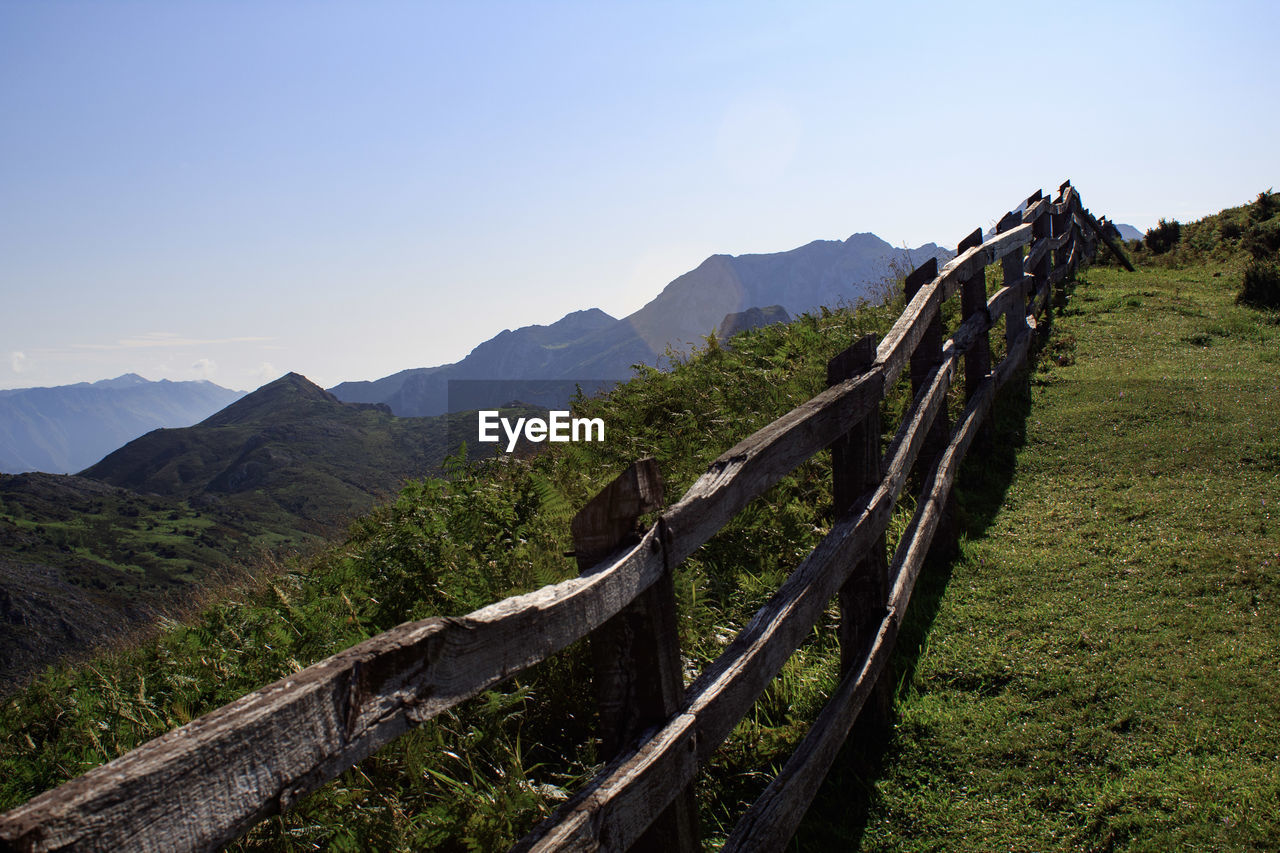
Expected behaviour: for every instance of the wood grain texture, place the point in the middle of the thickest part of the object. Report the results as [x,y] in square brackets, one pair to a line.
[901,340]
[601,816]
[608,520]
[1039,251]
[637,670]
[762,459]
[1035,211]
[973,306]
[855,468]
[771,821]
[206,783]
[1014,281]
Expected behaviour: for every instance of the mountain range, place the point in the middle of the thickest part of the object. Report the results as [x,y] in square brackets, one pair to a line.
[67,428]
[590,347]
[281,469]
[288,449]
[143,528]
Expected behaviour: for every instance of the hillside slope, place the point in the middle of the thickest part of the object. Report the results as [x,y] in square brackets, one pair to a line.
[288,449]
[67,428]
[448,547]
[85,559]
[83,563]
[1099,669]
[1032,716]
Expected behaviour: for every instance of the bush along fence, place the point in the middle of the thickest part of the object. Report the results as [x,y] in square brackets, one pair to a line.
[208,782]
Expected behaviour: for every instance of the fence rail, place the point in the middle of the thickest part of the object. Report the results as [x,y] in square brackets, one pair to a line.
[209,781]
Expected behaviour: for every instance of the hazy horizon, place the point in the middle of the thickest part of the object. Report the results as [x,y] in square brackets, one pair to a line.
[234,192]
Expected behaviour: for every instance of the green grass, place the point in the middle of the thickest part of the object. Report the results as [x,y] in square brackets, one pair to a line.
[1100,665]
[482,776]
[1096,670]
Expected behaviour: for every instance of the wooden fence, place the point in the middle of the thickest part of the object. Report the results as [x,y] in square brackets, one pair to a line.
[209,781]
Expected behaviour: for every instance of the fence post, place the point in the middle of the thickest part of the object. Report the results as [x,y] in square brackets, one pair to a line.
[1090,239]
[927,356]
[1075,247]
[973,300]
[636,654]
[1011,266]
[855,469]
[1059,224]
[1040,272]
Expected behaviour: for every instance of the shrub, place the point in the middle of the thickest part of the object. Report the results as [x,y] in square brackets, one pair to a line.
[1230,230]
[1261,287]
[1265,207]
[1262,239]
[1164,236]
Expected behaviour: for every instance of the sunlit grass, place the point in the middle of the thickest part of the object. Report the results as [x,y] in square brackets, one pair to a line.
[1100,673]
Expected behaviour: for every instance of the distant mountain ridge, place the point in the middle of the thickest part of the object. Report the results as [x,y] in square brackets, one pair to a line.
[591,345]
[66,428]
[1128,232]
[289,448]
[85,556]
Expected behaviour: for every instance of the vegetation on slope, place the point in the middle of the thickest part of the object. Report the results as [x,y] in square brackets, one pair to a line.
[1247,236]
[1031,715]
[1099,670]
[155,525]
[483,776]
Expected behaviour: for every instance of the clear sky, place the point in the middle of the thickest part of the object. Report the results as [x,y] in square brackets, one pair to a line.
[233,190]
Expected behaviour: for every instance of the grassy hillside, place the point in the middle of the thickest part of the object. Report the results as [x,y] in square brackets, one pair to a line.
[1099,671]
[1093,672]
[83,562]
[158,523]
[447,547]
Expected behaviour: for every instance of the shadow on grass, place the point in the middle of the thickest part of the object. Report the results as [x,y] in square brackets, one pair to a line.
[837,818]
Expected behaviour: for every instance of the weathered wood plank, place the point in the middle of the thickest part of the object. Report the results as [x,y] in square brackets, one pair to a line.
[855,469]
[909,557]
[204,784]
[636,658]
[773,818]
[904,337]
[637,670]
[927,356]
[608,520]
[1106,238]
[1035,211]
[762,459]
[1039,251]
[1014,283]
[1041,299]
[1059,223]
[975,259]
[973,304]
[853,453]
[724,692]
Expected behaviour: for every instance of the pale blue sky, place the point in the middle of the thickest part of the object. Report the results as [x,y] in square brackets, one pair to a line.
[233,190]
